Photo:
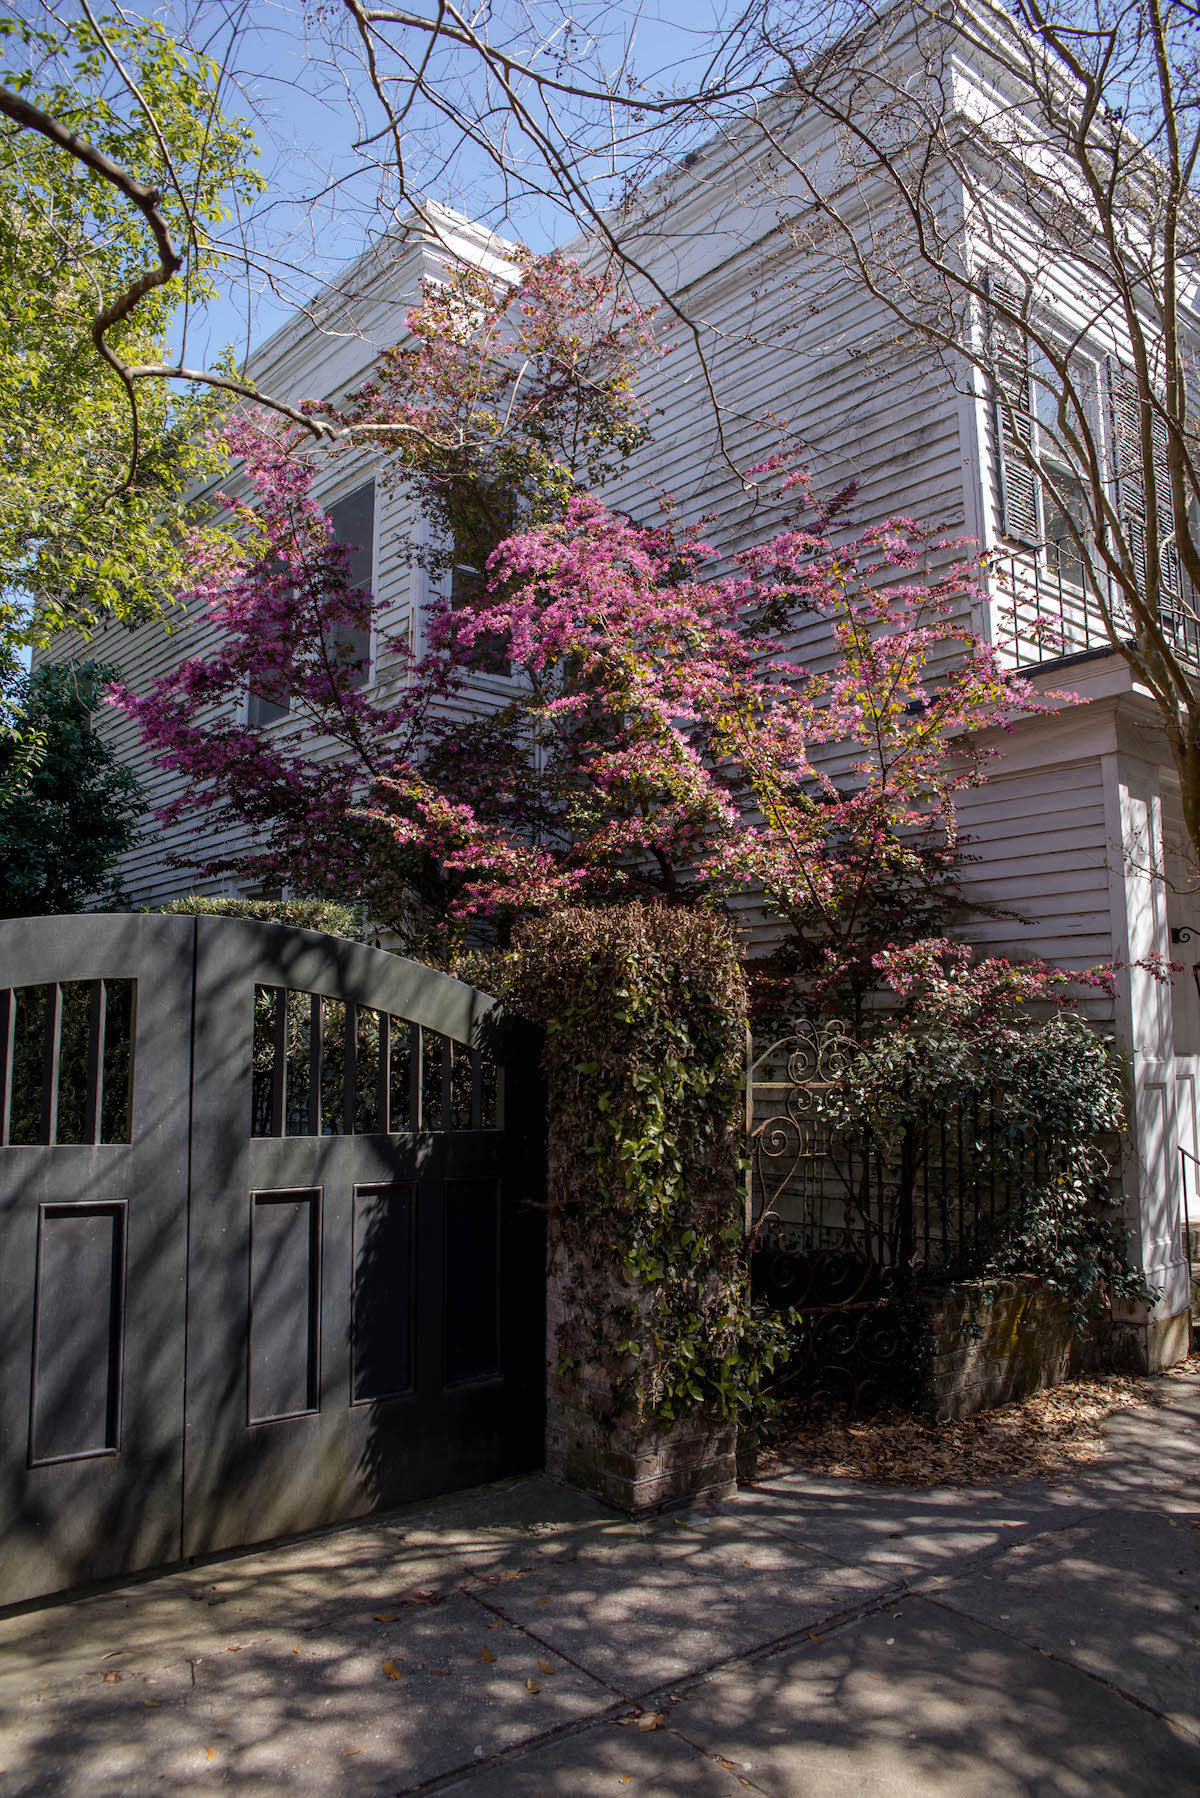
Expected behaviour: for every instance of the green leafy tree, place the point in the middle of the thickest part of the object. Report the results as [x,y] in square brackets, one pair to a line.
[113,151]
[71,807]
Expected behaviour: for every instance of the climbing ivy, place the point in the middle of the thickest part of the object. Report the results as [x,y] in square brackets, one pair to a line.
[644,1013]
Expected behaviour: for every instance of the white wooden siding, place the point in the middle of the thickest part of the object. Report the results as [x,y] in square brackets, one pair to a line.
[1038,839]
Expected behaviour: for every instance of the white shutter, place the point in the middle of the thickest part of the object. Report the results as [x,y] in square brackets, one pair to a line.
[1020,499]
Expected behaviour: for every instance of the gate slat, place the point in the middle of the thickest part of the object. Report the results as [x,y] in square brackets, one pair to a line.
[93,1116]
[51,1057]
[8,1009]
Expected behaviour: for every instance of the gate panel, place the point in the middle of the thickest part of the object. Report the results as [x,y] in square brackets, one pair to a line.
[266,1262]
[93,1244]
[365,1312]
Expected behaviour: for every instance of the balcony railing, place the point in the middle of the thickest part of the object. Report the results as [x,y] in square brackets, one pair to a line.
[1043,613]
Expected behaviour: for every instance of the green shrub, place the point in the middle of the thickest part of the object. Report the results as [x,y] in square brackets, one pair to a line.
[329,915]
[68,807]
[1032,1118]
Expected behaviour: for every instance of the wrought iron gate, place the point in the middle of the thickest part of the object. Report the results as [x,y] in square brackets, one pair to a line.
[270,1248]
[826,1241]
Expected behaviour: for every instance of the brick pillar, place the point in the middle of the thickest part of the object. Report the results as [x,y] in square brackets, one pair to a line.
[632,1464]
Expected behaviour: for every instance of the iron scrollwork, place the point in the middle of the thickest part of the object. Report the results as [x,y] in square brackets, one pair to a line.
[816,1246]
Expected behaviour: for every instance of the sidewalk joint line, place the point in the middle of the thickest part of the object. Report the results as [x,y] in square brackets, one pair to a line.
[550,1648]
[1073,1666]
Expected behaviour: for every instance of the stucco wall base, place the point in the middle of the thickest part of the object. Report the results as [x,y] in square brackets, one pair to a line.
[637,1465]
[1143,1347]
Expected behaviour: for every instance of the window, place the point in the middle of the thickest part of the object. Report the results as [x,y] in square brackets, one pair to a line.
[353,521]
[468,575]
[1048,515]
[1063,517]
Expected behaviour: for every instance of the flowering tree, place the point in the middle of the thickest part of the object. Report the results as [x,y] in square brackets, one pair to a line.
[661,735]
[511,391]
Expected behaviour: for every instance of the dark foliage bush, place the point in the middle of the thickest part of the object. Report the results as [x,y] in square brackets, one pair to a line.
[70,807]
[1033,1117]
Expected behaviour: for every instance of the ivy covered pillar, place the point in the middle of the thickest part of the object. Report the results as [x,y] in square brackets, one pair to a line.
[655,1361]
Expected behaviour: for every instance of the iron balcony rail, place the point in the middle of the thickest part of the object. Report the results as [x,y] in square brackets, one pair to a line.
[1043,613]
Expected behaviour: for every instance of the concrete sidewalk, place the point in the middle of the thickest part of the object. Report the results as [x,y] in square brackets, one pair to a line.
[813,1637]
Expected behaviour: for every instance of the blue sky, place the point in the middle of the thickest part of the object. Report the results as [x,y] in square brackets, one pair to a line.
[311,106]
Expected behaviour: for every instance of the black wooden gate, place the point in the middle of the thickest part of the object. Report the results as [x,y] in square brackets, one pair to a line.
[271,1253]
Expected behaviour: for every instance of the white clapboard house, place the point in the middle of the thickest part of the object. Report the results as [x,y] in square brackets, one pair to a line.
[1079,829]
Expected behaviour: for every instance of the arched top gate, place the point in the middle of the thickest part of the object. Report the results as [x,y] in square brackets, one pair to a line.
[270,1238]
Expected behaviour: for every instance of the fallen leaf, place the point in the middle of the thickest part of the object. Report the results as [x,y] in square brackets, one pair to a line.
[625,1779]
[236,1649]
[499,1624]
[532,1685]
[210,1754]
[296,1649]
[1043,1435]
[1012,1526]
[512,1576]
[349,1751]
[440,1672]
[383,1617]
[112,1679]
[652,1720]
[485,1654]
[224,1717]
[545,1666]
[874,1675]
[152,1704]
[546,1600]
[391,1669]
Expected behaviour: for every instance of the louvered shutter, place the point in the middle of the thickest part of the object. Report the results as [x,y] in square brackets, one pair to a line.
[1128,473]
[1019,496]
[1170,561]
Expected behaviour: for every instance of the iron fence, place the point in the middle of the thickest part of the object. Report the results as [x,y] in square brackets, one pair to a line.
[920,1201]
[848,1224]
